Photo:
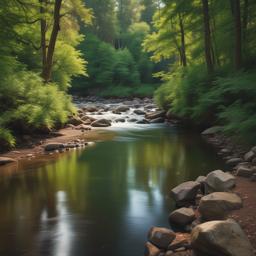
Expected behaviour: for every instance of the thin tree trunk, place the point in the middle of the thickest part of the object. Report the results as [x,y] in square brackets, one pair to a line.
[238,35]
[43,32]
[183,46]
[47,69]
[245,18]
[207,37]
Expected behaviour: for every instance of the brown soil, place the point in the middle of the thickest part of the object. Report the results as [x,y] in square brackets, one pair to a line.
[246,216]
[35,147]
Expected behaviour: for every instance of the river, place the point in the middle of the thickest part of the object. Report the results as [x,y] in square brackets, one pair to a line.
[100,200]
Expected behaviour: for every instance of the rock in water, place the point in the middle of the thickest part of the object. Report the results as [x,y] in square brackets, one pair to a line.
[54,146]
[182,216]
[218,238]
[161,237]
[155,115]
[101,123]
[218,205]
[6,160]
[185,192]
[151,250]
[219,181]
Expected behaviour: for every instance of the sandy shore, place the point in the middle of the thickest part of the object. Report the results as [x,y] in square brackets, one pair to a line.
[36,149]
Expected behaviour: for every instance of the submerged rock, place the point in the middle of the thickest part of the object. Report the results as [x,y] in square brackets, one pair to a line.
[217,238]
[185,192]
[218,205]
[219,181]
[161,237]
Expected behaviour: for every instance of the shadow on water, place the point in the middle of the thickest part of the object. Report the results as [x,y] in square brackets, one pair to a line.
[101,200]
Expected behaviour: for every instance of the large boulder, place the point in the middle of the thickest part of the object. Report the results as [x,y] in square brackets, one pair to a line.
[156,114]
[54,146]
[182,216]
[6,160]
[151,250]
[161,237]
[185,192]
[219,181]
[217,238]
[218,205]
[101,123]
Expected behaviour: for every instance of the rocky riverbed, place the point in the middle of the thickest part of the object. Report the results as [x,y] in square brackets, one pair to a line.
[92,115]
[210,217]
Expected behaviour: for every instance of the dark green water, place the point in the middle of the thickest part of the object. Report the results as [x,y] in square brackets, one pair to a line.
[102,200]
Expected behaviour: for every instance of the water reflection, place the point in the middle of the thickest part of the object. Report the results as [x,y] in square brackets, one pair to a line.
[99,201]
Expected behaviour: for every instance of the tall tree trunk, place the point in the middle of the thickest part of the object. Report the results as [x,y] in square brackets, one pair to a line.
[43,4]
[183,46]
[238,35]
[207,37]
[47,68]
[245,18]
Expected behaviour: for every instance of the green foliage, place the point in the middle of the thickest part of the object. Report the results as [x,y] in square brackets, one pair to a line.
[145,90]
[6,139]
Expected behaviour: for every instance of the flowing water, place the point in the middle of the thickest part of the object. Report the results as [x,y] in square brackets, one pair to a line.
[100,200]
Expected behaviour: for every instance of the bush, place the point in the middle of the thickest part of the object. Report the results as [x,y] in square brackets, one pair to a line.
[28,104]
[225,98]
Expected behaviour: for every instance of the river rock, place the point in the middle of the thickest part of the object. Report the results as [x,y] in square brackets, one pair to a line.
[217,238]
[139,112]
[249,156]
[132,120]
[101,123]
[120,120]
[244,171]
[161,237]
[75,120]
[121,109]
[212,130]
[218,181]
[185,192]
[151,250]
[157,120]
[218,205]
[144,121]
[6,160]
[234,161]
[156,114]
[182,216]
[54,146]
[91,108]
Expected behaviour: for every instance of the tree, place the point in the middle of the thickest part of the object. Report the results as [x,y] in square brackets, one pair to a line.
[207,37]
[238,35]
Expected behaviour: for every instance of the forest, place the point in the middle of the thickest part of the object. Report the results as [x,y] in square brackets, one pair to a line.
[196,57]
